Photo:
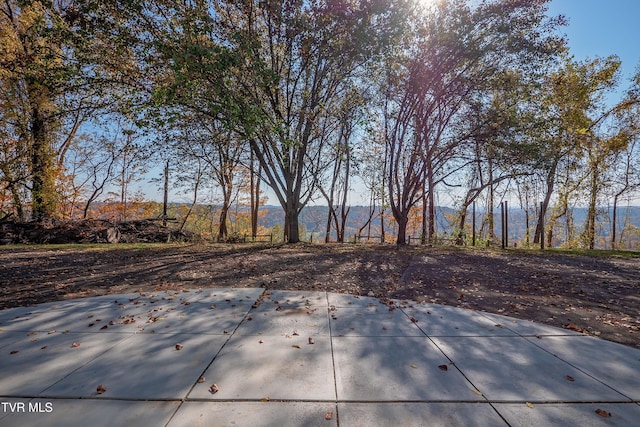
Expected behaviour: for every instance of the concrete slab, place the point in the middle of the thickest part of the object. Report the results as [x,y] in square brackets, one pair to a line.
[418,414]
[372,321]
[296,298]
[346,300]
[88,412]
[278,368]
[443,321]
[251,414]
[8,338]
[120,316]
[573,414]
[527,327]
[196,318]
[42,359]
[614,364]
[512,368]
[282,320]
[229,296]
[396,369]
[145,366]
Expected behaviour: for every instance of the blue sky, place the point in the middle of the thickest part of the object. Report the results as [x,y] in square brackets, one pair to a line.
[596,28]
[602,28]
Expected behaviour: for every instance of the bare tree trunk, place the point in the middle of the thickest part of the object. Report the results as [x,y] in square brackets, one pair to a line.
[255,196]
[43,188]
[551,178]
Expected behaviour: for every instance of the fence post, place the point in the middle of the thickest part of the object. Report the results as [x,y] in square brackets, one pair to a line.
[506,224]
[473,237]
[502,224]
[541,225]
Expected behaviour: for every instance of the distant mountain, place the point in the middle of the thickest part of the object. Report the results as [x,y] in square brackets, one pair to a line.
[313,220]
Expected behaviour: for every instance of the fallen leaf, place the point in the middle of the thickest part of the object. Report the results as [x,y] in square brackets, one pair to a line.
[328,416]
[569,378]
[53,331]
[295,346]
[295,333]
[265,399]
[101,389]
[416,366]
[75,344]
[260,341]
[104,327]
[91,324]
[43,347]
[201,380]
[214,388]
[413,319]
[478,392]
[179,346]
[603,413]
[529,404]
[311,341]
[443,367]
[14,351]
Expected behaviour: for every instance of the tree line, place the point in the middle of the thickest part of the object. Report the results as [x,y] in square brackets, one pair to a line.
[481,100]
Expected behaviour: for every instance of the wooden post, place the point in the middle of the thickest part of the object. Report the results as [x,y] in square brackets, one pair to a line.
[541,225]
[166,194]
[502,224]
[506,224]
[473,221]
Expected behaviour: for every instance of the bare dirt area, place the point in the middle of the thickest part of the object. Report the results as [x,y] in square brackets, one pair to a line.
[596,295]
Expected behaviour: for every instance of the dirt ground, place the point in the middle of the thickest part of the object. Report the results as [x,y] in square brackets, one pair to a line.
[595,295]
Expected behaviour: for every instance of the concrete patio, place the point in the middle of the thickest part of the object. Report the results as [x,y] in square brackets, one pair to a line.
[300,358]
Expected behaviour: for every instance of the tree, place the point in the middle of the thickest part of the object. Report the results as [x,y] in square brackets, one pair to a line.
[459,51]
[57,62]
[297,56]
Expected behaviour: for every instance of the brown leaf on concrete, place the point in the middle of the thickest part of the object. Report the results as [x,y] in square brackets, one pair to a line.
[75,344]
[179,346]
[214,388]
[328,416]
[201,380]
[101,389]
[443,367]
[603,413]
[14,351]
[311,341]
[569,378]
